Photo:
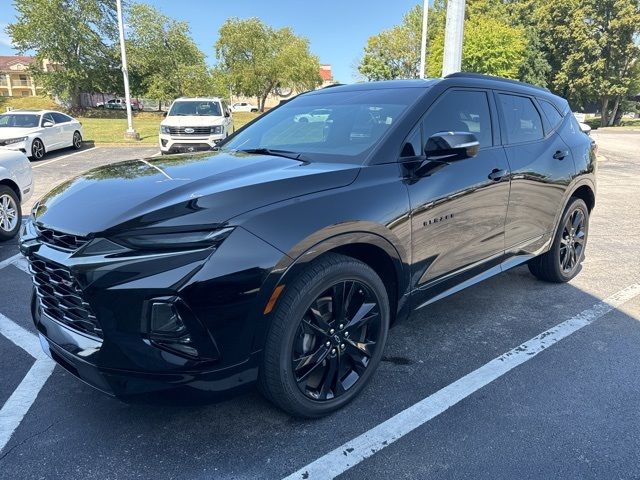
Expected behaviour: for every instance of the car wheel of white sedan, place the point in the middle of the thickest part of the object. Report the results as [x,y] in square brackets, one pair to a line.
[37,149]
[77,140]
[10,214]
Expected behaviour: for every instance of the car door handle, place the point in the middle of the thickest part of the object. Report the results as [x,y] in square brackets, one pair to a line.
[497,174]
[560,154]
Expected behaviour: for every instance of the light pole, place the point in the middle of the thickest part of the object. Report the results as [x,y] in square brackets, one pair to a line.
[423,45]
[453,35]
[130,133]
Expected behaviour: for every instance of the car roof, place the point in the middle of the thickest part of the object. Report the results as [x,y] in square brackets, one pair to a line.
[456,79]
[189,99]
[32,111]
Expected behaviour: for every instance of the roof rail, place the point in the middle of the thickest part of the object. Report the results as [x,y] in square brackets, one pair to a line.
[497,79]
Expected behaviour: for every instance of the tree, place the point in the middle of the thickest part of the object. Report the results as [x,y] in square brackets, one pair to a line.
[75,36]
[491,46]
[256,59]
[395,53]
[165,63]
[591,46]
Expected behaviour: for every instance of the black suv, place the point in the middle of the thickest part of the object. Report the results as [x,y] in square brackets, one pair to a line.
[284,257]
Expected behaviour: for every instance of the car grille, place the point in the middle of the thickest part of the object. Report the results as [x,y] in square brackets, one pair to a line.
[191,130]
[61,240]
[189,147]
[61,298]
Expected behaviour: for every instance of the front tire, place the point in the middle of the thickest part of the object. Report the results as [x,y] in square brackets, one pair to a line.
[563,260]
[10,213]
[77,140]
[326,338]
[37,149]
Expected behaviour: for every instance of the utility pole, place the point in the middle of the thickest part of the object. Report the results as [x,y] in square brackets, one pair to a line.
[130,133]
[423,45]
[453,35]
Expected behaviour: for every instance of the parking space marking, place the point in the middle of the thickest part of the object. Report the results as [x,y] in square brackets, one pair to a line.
[22,264]
[20,401]
[358,449]
[63,157]
[8,261]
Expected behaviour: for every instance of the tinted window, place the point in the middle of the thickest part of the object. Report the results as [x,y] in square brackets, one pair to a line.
[521,119]
[461,111]
[552,114]
[60,118]
[328,126]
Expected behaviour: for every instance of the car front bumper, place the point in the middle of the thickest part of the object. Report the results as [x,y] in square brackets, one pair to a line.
[188,144]
[222,297]
[24,146]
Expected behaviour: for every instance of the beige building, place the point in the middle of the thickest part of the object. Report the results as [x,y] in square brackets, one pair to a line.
[15,79]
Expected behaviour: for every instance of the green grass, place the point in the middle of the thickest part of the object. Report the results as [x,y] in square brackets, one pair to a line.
[108,126]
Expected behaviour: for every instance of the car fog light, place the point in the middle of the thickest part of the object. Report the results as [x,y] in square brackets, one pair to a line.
[169,331]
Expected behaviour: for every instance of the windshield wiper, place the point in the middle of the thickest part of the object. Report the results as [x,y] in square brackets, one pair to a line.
[274,152]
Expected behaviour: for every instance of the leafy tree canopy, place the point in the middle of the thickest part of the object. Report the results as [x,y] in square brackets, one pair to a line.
[256,59]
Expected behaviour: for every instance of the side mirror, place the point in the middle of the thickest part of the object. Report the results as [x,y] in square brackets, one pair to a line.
[164,114]
[47,124]
[227,114]
[451,146]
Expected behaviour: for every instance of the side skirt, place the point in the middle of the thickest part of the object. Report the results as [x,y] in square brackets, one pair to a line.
[502,267]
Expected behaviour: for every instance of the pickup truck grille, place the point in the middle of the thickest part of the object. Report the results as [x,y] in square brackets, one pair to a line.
[61,297]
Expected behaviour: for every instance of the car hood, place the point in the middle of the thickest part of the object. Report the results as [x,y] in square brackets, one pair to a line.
[182,191]
[15,132]
[192,121]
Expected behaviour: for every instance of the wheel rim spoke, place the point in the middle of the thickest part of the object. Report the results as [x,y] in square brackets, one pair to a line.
[336,340]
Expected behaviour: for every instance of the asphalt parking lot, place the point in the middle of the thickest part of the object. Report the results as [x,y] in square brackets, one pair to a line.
[446,403]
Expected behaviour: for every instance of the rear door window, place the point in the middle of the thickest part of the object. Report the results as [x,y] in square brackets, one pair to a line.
[522,122]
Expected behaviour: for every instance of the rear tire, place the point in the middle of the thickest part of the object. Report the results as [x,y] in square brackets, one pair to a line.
[319,356]
[77,140]
[563,260]
[10,213]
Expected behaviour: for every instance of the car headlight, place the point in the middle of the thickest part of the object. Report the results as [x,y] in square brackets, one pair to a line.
[173,240]
[10,141]
[217,130]
[164,129]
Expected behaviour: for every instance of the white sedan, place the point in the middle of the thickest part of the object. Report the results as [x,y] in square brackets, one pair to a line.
[36,132]
[16,186]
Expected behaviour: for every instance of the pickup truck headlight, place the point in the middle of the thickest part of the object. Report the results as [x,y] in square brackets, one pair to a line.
[10,141]
[173,240]
[164,129]
[217,130]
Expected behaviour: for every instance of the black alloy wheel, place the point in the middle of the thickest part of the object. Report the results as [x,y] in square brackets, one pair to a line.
[326,338]
[572,241]
[562,262]
[336,339]
[37,149]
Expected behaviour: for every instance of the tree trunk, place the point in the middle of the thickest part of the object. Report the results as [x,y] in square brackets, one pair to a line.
[604,111]
[614,112]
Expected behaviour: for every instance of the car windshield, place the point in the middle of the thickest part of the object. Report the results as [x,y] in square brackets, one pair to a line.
[204,108]
[15,120]
[331,126]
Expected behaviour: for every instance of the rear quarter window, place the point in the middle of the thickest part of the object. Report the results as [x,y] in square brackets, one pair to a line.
[551,113]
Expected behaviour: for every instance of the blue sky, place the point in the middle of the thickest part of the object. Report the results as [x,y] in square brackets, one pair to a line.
[337,29]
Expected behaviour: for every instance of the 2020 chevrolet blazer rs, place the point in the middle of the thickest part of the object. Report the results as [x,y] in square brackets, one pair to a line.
[284,256]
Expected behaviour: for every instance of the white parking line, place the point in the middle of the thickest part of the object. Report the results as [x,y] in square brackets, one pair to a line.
[355,451]
[63,157]
[8,261]
[20,401]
